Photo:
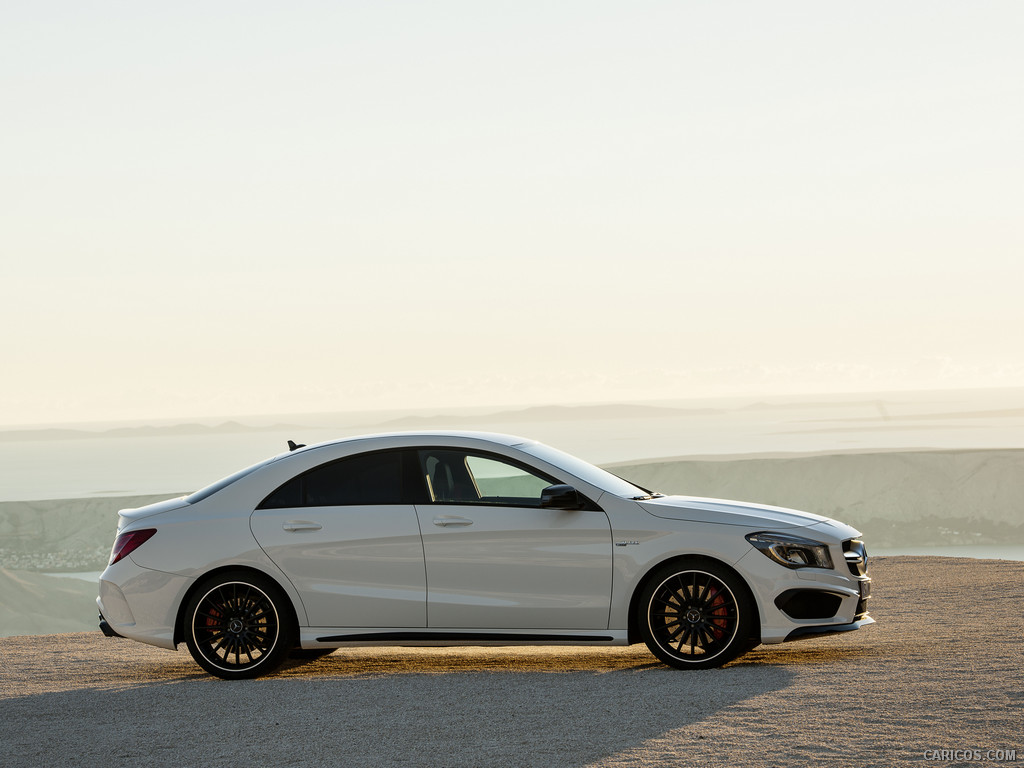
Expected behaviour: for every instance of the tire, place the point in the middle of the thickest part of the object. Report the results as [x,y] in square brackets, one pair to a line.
[696,614]
[239,625]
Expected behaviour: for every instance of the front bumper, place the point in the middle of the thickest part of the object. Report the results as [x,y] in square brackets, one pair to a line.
[801,633]
[804,602]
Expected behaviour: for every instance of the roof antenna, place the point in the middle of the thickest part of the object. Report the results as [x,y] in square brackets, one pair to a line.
[293,446]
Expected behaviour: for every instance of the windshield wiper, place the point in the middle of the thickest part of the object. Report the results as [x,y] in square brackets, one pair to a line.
[648,496]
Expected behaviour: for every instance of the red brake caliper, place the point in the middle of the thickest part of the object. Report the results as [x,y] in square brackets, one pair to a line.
[719,613]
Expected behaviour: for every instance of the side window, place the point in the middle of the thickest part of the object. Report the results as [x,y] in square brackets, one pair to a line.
[366,479]
[499,481]
[468,478]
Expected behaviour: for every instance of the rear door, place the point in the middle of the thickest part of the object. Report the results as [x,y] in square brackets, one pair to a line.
[346,534]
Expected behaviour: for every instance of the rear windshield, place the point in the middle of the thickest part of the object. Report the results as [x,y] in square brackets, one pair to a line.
[209,490]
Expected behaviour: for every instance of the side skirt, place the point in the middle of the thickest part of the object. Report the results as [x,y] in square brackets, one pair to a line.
[333,637]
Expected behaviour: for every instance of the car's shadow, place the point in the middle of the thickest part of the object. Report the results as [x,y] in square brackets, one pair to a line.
[819,651]
[378,707]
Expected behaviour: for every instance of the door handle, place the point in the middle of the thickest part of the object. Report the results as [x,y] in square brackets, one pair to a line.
[301,525]
[446,522]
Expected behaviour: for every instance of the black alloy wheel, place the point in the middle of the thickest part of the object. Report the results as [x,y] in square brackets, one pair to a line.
[696,615]
[238,626]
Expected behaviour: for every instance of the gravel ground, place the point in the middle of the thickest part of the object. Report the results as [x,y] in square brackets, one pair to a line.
[940,671]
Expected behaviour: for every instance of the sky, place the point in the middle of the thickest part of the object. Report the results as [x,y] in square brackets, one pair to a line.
[239,208]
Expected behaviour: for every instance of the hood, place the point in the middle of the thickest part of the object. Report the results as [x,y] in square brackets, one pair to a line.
[126,516]
[721,511]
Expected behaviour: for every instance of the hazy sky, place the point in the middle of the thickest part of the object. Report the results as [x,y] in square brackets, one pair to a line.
[224,208]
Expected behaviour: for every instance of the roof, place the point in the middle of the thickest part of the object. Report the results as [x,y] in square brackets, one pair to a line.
[427,435]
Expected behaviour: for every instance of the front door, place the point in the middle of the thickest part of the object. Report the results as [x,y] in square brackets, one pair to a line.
[495,559]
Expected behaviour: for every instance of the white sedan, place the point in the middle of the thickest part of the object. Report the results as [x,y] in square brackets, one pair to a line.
[463,538]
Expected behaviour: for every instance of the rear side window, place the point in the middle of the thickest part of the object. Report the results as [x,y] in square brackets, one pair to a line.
[383,477]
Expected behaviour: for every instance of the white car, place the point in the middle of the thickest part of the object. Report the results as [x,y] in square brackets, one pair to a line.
[465,538]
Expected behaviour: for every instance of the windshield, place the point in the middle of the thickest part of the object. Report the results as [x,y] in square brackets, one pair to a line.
[225,482]
[585,471]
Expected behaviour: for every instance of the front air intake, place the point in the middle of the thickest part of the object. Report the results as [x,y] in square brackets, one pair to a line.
[808,603]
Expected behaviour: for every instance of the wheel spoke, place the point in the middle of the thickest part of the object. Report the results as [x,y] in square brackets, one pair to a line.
[261,612]
[707,640]
[709,599]
[681,589]
[684,636]
[702,596]
[666,619]
[224,604]
[663,601]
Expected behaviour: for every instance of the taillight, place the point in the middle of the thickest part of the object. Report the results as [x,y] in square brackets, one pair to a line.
[127,543]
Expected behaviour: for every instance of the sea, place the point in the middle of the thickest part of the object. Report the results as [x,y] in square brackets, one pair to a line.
[99,464]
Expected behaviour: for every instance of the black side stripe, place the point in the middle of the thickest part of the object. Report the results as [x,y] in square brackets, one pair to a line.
[463,637]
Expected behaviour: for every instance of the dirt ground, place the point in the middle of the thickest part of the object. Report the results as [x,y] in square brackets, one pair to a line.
[942,670]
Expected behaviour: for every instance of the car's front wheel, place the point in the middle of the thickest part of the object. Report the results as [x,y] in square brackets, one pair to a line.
[238,625]
[696,614]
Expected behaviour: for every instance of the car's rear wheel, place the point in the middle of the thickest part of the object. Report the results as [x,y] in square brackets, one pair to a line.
[696,614]
[239,625]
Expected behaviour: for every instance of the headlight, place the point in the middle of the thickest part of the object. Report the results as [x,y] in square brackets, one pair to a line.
[792,551]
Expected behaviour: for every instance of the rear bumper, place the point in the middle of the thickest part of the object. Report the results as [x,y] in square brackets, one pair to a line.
[139,603]
[106,629]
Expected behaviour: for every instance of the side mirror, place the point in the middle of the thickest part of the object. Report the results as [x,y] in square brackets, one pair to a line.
[560,497]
